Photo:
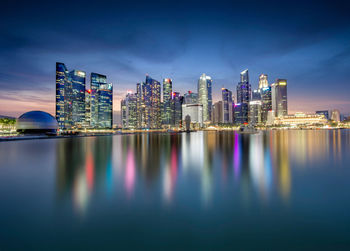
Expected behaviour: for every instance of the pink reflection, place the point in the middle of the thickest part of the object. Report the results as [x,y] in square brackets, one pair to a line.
[237,158]
[90,172]
[130,173]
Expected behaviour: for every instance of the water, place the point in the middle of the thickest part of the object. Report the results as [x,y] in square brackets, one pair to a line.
[203,190]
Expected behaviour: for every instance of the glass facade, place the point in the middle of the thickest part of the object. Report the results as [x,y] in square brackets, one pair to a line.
[77,79]
[227,106]
[177,108]
[167,99]
[243,98]
[61,102]
[279,97]
[205,95]
[151,95]
[190,98]
[266,103]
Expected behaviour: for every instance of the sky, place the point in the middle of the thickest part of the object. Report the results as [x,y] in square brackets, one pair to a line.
[305,42]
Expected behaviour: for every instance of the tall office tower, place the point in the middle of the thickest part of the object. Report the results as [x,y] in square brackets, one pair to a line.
[105,107]
[129,111]
[256,94]
[263,83]
[190,98]
[195,113]
[167,99]
[325,113]
[335,115]
[279,97]
[205,95]
[241,113]
[176,108]
[227,106]
[77,79]
[87,108]
[218,112]
[266,103]
[243,97]
[151,93]
[255,112]
[139,103]
[63,90]
[101,103]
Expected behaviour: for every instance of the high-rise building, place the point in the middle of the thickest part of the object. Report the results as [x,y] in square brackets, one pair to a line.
[241,113]
[279,97]
[139,106]
[63,93]
[77,79]
[101,103]
[266,103]
[256,94]
[335,115]
[177,101]
[325,113]
[205,95]
[87,108]
[167,100]
[190,98]
[218,113]
[254,112]
[151,95]
[195,112]
[227,103]
[263,83]
[129,111]
[243,98]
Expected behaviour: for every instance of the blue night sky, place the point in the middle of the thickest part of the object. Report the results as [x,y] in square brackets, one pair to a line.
[306,42]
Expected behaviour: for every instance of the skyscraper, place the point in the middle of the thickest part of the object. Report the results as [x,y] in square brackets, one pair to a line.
[151,93]
[325,113]
[279,97]
[167,100]
[101,103]
[266,103]
[227,103]
[129,111]
[255,112]
[217,112]
[87,108]
[335,115]
[243,97]
[205,95]
[63,87]
[77,79]
[176,108]
[190,98]
[263,83]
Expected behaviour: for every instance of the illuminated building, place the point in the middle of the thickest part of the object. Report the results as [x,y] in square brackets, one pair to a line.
[335,115]
[176,108]
[241,113]
[266,103]
[87,108]
[63,94]
[151,96]
[139,106]
[325,113]
[263,83]
[77,79]
[254,112]
[195,112]
[190,98]
[256,95]
[243,98]
[227,106]
[37,122]
[279,97]
[301,119]
[205,95]
[217,113]
[167,101]
[105,106]
[270,118]
[129,111]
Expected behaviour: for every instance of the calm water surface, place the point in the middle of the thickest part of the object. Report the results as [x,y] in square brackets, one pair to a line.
[203,190]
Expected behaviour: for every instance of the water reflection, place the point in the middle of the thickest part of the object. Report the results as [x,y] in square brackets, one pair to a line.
[201,165]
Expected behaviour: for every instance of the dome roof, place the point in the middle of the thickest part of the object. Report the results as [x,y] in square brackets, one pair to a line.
[36,120]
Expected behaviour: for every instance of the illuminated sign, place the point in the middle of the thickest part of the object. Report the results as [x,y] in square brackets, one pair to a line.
[282,83]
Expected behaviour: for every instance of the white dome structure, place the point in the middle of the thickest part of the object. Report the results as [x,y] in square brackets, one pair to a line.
[37,122]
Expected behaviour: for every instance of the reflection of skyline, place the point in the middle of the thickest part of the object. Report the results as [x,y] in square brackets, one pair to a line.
[204,162]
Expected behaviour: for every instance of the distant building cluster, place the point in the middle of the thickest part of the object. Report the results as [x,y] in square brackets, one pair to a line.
[145,109]
[78,107]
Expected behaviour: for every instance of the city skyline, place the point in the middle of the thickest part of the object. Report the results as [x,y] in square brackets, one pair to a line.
[312,53]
